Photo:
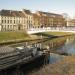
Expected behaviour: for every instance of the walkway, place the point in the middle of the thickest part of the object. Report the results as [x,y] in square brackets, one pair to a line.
[51,29]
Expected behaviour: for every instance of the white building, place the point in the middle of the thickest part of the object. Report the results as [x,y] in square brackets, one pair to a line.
[12,20]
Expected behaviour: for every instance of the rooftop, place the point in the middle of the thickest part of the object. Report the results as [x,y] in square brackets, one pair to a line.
[50,14]
[12,13]
[27,12]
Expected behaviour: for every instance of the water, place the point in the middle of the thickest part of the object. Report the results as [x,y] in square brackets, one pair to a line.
[68,46]
[53,58]
[64,45]
[59,48]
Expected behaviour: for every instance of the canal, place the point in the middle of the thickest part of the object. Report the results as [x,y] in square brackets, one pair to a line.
[59,49]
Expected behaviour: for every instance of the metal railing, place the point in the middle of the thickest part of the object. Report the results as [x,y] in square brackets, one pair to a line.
[46,29]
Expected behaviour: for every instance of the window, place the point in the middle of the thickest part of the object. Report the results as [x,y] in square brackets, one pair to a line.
[14,21]
[8,26]
[8,21]
[5,21]
[2,21]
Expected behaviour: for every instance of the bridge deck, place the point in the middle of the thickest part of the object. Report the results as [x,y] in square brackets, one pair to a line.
[53,29]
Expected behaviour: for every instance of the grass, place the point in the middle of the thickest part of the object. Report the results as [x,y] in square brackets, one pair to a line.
[15,37]
[5,36]
[23,36]
[56,33]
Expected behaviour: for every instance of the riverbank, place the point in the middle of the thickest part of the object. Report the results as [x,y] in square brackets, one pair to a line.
[20,36]
[57,34]
[54,44]
[16,37]
[63,67]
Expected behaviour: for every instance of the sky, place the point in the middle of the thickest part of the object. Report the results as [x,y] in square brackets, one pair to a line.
[55,6]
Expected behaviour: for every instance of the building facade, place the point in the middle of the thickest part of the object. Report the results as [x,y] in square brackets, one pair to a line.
[11,20]
[29,19]
[51,20]
[71,22]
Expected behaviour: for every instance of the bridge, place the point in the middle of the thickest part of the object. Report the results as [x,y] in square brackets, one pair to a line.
[51,29]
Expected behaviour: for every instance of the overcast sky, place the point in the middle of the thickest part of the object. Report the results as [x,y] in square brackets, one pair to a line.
[56,6]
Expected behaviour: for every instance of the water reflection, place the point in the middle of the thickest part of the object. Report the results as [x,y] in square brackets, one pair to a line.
[64,45]
[55,57]
[57,46]
[60,46]
[69,46]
